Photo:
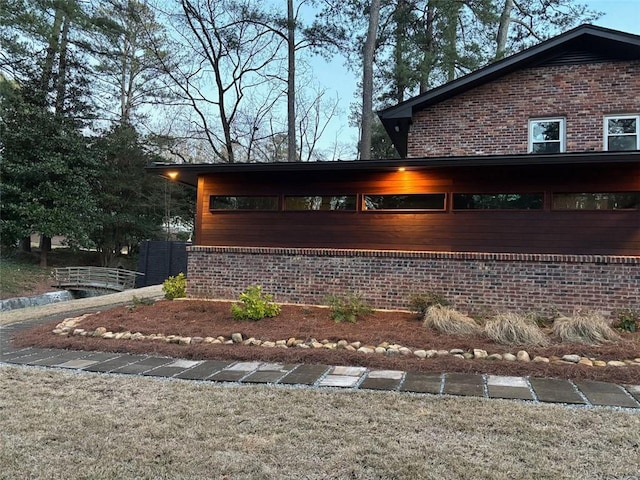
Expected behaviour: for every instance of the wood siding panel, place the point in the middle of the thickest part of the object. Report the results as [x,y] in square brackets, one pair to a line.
[535,231]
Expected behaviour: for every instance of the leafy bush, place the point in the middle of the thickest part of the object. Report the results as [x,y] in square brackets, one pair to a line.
[420,302]
[448,320]
[255,305]
[175,287]
[586,328]
[628,320]
[513,329]
[347,308]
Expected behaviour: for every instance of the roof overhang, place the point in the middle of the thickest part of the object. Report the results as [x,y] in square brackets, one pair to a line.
[603,42]
[188,173]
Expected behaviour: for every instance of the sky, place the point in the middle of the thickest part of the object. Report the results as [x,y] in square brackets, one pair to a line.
[621,15]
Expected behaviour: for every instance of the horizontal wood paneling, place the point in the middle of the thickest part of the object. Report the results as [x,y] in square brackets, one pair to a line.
[540,231]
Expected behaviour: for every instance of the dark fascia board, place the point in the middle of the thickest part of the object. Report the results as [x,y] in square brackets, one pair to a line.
[188,174]
[612,43]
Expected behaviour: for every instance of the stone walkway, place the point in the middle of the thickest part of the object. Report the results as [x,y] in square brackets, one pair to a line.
[552,390]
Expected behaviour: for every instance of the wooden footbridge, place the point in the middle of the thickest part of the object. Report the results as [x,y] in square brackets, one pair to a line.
[95,278]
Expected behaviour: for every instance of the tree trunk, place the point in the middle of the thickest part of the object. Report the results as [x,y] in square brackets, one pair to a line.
[291,84]
[25,244]
[45,248]
[428,54]
[367,81]
[503,29]
[61,77]
[52,49]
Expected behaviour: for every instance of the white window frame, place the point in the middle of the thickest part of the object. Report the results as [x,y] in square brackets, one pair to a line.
[606,134]
[562,140]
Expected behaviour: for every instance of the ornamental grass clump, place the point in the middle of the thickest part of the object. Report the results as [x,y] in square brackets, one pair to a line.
[514,329]
[585,328]
[448,320]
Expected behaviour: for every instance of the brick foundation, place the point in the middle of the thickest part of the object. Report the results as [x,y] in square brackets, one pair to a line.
[473,282]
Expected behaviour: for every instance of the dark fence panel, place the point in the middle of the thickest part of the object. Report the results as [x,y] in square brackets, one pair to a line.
[159,260]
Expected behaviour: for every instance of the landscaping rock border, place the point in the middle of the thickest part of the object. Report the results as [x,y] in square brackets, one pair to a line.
[70,326]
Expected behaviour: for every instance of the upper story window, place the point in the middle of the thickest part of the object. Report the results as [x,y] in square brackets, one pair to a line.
[243,202]
[546,135]
[422,201]
[622,132]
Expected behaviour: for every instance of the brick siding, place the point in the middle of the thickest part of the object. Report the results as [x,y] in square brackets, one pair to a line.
[493,119]
[475,282]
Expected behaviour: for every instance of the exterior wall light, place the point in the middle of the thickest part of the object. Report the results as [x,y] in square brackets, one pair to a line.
[172,175]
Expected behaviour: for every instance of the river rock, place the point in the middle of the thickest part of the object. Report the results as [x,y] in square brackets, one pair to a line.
[366,350]
[236,337]
[99,331]
[586,362]
[599,363]
[509,357]
[616,363]
[523,356]
[420,353]
[380,350]
[478,353]
[456,351]
[539,359]
[571,358]
[494,356]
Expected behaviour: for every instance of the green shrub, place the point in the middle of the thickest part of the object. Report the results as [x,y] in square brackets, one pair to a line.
[420,302]
[347,308]
[448,320]
[514,329]
[585,328]
[175,287]
[255,305]
[628,320]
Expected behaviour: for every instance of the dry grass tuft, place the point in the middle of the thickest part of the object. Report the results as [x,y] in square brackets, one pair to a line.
[448,320]
[514,329]
[586,328]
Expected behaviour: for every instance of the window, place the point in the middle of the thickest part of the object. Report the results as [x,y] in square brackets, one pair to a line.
[498,201]
[546,135]
[317,202]
[596,201]
[427,201]
[223,202]
[622,133]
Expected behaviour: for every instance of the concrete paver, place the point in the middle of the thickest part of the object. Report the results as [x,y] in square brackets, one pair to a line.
[422,383]
[204,370]
[344,381]
[304,375]
[143,365]
[602,393]
[464,384]
[266,376]
[634,391]
[555,390]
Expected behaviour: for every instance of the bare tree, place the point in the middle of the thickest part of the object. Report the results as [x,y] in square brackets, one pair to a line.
[223,59]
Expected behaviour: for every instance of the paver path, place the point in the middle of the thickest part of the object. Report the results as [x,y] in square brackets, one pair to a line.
[551,390]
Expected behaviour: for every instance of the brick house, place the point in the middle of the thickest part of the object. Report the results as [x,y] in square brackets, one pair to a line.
[519,184]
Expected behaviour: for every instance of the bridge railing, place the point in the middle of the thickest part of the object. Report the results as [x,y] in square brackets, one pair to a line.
[95,277]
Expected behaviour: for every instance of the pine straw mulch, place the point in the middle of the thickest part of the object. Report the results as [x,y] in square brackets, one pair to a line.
[213,318]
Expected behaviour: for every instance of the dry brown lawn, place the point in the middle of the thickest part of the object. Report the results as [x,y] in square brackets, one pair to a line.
[67,425]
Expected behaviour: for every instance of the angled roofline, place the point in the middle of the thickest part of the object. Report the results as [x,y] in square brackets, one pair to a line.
[397,119]
[188,173]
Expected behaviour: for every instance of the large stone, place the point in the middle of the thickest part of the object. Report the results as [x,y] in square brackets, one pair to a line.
[539,359]
[291,342]
[405,351]
[393,352]
[456,351]
[236,337]
[494,356]
[281,342]
[99,331]
[356,345]
[467,356]
[586,362]
[420,353]
[184,340]
[268,344]
[478,353]
[616,363]
[108,335]
[366,350]
[599,363]
[509,357]
[442,353]
[571,358]
[523,356]
[350,348]
[431,353]
[380,350]
[342,343]
[197,340]
[208,339]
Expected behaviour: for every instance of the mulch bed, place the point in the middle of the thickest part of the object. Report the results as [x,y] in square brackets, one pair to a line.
[201,318]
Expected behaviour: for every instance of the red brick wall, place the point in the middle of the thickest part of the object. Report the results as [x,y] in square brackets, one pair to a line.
[493,119]
[474,282]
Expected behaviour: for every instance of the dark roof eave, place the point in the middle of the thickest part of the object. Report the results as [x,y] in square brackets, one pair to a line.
[188,173]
